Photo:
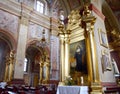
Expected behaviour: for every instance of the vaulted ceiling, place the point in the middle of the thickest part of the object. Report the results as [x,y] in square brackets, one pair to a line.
[112,22]
[68,5]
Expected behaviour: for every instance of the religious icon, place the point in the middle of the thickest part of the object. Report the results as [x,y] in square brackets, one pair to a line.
[105,61]
[103,38]
[78,57]
[78,63]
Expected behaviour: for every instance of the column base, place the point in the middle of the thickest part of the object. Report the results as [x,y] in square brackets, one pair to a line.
[96,88]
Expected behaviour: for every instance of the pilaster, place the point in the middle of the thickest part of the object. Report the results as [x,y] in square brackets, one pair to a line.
[21,46]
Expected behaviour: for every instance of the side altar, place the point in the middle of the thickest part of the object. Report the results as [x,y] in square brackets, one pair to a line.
[78,51]
[72,90]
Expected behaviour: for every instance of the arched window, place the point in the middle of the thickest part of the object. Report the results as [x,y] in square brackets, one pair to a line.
[40,6]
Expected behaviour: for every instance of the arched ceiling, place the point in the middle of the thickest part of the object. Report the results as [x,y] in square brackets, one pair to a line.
[69,5]
[115,6]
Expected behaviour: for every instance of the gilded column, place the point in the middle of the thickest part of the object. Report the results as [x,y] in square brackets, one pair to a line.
[11,66]
[93,74]
[47,69]
[67,63]
[6,69]
[62,53]
[41,72]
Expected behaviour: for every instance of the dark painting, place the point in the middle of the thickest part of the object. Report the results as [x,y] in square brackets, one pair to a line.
[78,62]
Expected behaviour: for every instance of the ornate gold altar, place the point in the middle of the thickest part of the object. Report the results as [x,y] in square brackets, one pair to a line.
[79,28]
[9,66]
[44,69]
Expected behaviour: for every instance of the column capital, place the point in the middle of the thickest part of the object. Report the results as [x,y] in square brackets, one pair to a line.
[88,23]
[88,20]
[61,29]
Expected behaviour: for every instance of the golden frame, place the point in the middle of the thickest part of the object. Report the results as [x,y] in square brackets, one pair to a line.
[105,61]
[103,38]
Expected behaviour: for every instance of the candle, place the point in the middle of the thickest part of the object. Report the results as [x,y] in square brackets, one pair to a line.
[82,80]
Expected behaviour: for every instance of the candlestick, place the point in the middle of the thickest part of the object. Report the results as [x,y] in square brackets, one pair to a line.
[82,80]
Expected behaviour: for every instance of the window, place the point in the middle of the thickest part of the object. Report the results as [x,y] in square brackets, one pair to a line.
[25,64]
[40,6]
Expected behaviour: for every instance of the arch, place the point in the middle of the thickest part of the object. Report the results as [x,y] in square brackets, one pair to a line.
[33,44]
[10,40]
[110,17]
[35,54]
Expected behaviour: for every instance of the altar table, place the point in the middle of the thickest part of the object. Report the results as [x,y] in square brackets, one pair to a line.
[72,90]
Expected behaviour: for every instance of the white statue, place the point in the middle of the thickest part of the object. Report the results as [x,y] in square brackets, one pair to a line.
[116,71]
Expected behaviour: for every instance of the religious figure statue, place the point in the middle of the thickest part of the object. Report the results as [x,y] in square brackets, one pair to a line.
[9,66]
[116,71]
[11,61]
[47,68]
[44,69]
[41,71]
[86,11]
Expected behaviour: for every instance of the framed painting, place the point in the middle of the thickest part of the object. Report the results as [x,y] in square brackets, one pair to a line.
[103,38]
[105,61]
[78,61]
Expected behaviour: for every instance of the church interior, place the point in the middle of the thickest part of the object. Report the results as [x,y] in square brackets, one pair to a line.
[46,45]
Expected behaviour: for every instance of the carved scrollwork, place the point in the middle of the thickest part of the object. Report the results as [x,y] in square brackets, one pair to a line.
[74,18]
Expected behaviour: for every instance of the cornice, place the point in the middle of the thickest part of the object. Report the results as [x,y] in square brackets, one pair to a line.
[40,19]
[54,23]
[98,12]
[11,7]
[22,10]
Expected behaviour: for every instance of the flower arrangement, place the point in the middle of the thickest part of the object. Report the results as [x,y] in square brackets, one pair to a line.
[69,81]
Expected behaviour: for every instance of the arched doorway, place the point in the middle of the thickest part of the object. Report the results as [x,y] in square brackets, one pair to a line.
[33,55]
[5,47]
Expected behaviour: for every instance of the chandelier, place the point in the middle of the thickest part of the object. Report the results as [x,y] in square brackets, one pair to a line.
[42,43]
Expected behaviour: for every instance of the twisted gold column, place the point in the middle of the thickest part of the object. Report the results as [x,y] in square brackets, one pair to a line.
[88,23]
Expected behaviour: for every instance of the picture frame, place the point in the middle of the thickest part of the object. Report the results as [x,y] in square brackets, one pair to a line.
[103,38]
[73,52]
[78,61]
[105,61]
